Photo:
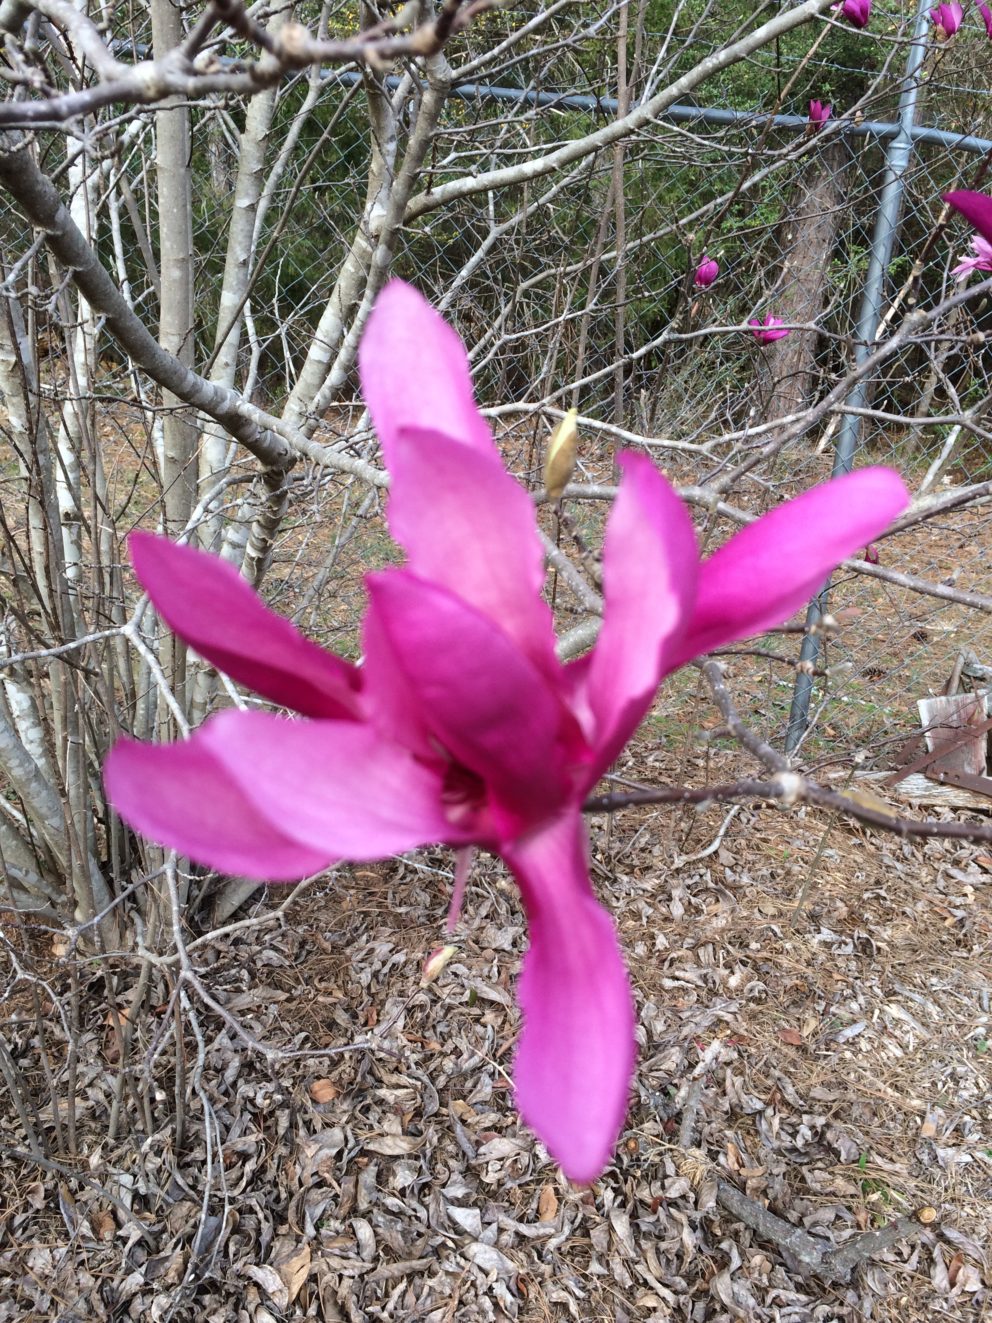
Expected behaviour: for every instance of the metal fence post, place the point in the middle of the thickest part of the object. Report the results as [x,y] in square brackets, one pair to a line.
[886,229]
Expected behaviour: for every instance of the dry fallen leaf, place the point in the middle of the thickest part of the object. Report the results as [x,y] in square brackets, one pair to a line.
[323,1091]
[547,1204]
[791,1036]
[270,1282]
[394,1146]
[292,1263]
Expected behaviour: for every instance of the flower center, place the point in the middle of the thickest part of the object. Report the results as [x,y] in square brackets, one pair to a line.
[463,793]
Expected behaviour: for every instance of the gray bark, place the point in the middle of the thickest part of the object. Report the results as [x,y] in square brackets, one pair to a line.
[26,883]
[173,179]
[41,803]
[75,432]
[22,707]
[25,424]
[214,441]
[385,222]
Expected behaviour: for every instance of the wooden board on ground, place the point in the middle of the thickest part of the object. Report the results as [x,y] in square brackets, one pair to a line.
[921,790]
[944,719]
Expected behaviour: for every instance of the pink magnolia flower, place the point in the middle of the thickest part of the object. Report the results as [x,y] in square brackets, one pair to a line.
[461,726]
[948,17]
[986,14]
[981,261]
[768,329]
[706,272]
[857,12]
[871,554]
[819,112]
[976,208]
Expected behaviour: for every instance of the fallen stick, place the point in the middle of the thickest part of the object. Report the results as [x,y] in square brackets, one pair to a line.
[797,1247]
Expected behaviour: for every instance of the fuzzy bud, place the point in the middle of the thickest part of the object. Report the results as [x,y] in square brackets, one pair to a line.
[559,463]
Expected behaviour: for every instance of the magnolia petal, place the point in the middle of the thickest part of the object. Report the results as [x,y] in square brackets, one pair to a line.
[483,698]
[650,562]
[976,208]
[414,372]
[207,603]
[334,786]
[392,703]
[468,526]
[179,796]
[773,567]
[576,1052]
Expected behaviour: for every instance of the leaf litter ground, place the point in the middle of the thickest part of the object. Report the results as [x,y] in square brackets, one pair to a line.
[837,1061]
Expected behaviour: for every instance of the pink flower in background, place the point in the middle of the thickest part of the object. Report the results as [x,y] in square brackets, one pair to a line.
[986,14]
[871,554]
[857,12]
[768,329]
[818,112]
[981,261]
[706,272]
[461,726]
[948,17]
[976,208]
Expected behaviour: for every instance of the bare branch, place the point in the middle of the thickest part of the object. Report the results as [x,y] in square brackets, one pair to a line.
[178,73]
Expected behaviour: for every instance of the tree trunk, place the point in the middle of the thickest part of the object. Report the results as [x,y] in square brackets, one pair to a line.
[175,224]
[808,237]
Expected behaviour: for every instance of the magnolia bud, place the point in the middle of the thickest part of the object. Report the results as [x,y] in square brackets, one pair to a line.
[435,963]
[559,463]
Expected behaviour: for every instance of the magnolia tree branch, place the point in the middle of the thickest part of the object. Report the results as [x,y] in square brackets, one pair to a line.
[787,430]
[785,786]
[187,73]
[713,673]
[788,789]
[582,636]
[948,593]
[911,328]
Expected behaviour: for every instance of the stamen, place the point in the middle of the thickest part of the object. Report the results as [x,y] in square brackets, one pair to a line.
[463,865]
